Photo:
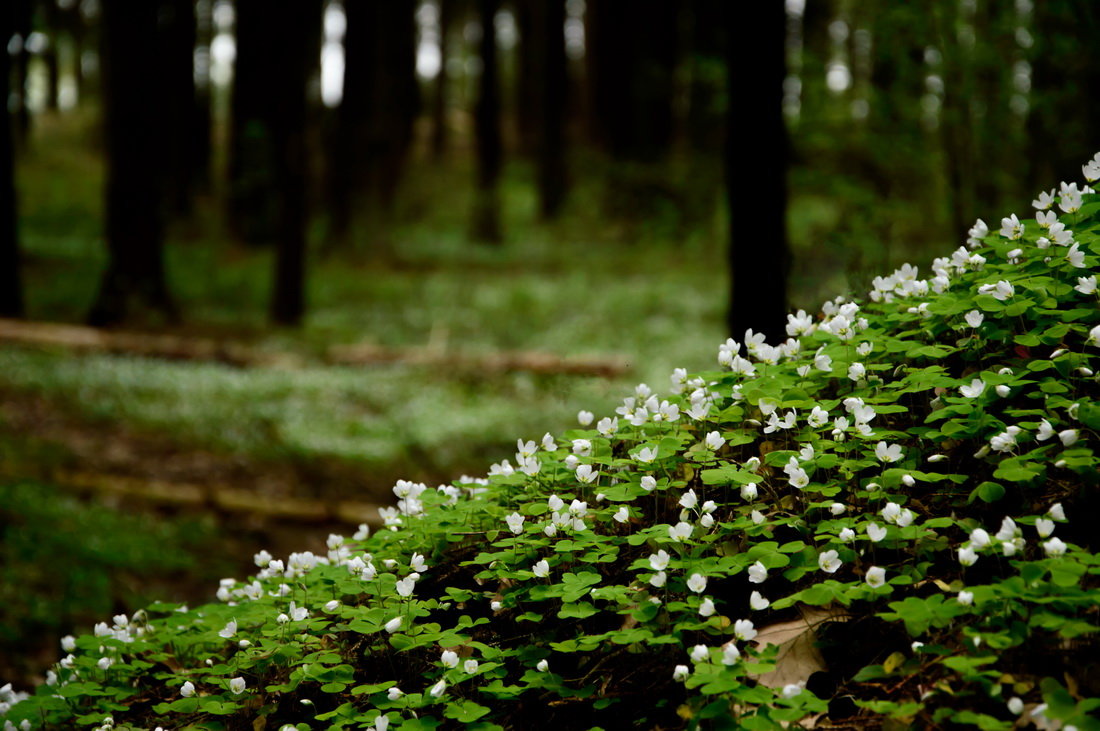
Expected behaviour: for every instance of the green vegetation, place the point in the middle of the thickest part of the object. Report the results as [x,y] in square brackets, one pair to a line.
[64,564]
[908,484]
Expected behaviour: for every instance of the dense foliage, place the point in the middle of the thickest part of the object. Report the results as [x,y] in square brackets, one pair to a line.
[886,516]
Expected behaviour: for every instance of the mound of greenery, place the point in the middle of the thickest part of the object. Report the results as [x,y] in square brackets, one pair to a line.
[884,521]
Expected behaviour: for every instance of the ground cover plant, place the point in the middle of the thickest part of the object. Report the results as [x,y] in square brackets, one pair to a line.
[884,520]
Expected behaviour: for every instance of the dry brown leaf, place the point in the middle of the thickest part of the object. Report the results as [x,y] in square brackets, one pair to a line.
[798,657]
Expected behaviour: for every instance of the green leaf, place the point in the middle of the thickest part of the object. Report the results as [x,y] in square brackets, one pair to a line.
[465,711]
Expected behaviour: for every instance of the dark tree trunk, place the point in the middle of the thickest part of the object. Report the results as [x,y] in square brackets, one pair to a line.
[486,220]
[439,93]
[21,11]
[177,29]
[633,55]
[292,26]
[348,156]
[955,123]
[252,211]
[397,100]
[51,55]
[202,143]
[549,40]
[11,281]
[757,194]
[529,75]
[134,281]
[1064,117]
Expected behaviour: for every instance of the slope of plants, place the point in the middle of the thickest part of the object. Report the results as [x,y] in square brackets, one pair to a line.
[884,520]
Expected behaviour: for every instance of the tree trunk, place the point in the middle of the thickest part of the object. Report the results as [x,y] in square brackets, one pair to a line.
[134,281]
[11,281]
[51,55]
[757,194]
[178,31]
[252,211]
[21,11]
[439,93]
[486,219]
[291,25]
[549,40]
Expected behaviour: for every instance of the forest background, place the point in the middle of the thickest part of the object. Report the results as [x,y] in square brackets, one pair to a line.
[325,245]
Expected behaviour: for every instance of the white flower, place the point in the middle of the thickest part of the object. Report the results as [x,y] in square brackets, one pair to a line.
[966,598]
[758,601]
[1044,527]
[974,390]
[659,561]
[856,371]
[229,630]
[541,569]
[515,522]
[585,417]
[1094,337]
[888,452]
[749,491]
[394,693]
[1057,512]
[449,658]
[837,508]
[697,583]
[1044,201]
[438,689]
[1069,437]
[1054,547]
[757,517]
[582,447]
[1015,706]
[847,535]
[542,665]
[979,539]
[648,482]
[829,561]
[406,585]
[706,608]
[658,579]
[818,417]
[621,515]
[470,666]
[875,577]
[187,689]
[646,454]
[681,531]
[237,685]
[974,318]
[689,500]
[743,629]
[1075,257]
[548,442]
[699,653]
[1045,432]
[262,559]
[332,605]
[798,478]
[714,441]
[586,474]
[393,625]
[1011,228]
[730,654]
[1086,285]
[967,556]
[680,673]
[791,690]
[758,573]
[875,532]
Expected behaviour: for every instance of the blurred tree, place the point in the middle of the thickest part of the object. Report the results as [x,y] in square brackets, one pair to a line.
[527,76]
[548,39]
[439,93]
[22,13]
[1063,128]
[486,217]
[705,121]
[756,159]
[374,122]
[177,28]
[295,28]
[50,20]
[632,56]
[11,282]
[202,143]
[134,280]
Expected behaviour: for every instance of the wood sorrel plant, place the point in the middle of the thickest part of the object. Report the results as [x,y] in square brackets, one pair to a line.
[887,516]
